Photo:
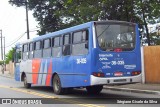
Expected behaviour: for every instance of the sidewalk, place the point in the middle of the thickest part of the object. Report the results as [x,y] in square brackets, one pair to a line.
[6,74]
[136,88]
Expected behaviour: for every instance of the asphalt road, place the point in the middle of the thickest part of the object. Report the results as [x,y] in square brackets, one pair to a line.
[9,88]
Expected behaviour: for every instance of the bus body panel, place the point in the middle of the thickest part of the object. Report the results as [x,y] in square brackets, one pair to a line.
[79,75]
[17,63]
[41,70]
[117,66]
[17,72]
[77,71]
[26,67]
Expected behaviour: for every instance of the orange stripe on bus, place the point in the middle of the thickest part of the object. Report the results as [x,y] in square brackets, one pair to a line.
[48,79]
[35,69]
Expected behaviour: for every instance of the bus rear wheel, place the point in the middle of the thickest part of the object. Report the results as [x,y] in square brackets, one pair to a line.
[57,85]
[94,89]
[26,84]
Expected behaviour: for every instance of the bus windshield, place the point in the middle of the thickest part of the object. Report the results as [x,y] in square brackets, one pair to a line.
[116,36]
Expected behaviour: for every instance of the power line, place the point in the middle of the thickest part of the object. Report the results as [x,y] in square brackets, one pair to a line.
[15,41]
[27,21]
[35,29]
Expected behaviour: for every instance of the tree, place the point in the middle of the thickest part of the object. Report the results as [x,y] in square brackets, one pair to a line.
[148,11]
[9,56]
[54,15]
[45,12]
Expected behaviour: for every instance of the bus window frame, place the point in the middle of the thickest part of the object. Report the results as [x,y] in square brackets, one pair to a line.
[19,52]
[50,47]
[44,42]
[34,48]
[24,52]
[115,23]
[70,43]
[57,46]
[31,51]
[86,41]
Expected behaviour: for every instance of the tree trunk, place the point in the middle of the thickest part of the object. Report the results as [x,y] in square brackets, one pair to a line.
[145,23]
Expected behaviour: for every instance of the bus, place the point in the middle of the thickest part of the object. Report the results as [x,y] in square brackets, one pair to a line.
[89,55]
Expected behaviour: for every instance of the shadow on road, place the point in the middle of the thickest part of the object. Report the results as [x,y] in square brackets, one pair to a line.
[80,93]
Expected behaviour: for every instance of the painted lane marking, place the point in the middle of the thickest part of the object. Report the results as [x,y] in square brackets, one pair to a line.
[48,96]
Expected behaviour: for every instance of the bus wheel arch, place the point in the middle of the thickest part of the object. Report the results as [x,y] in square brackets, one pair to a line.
[24,79]
[22,76]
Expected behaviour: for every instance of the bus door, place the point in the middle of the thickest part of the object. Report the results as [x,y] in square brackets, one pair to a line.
[17,57]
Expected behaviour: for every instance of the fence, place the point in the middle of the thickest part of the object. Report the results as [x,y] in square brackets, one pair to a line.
[152,64]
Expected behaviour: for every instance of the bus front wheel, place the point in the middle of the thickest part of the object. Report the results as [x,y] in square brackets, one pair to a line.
[26,84]
[94,89]
[57,85]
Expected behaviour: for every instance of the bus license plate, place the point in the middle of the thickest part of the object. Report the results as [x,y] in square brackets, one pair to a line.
[118,74]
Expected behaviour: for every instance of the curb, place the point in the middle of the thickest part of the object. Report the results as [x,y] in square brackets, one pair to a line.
[134,90]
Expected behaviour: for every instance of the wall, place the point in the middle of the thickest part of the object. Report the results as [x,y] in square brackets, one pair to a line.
[10,68]
[152,64]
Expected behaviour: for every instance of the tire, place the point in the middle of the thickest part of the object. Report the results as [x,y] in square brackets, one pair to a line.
[57,86]
[26,84]
[94,89]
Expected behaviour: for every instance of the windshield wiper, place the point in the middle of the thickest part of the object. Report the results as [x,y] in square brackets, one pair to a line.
[103,31]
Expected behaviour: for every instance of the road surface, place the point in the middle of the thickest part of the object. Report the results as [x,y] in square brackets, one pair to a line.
[9,88]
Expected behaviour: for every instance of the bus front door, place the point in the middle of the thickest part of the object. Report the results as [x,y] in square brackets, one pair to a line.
[17,64]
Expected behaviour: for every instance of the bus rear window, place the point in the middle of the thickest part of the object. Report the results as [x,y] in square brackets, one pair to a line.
[116,36]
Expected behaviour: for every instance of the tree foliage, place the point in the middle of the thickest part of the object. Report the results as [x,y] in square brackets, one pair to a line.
[54,15]
[9,56]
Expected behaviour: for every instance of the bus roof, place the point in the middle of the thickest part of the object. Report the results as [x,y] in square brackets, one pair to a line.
[70,29]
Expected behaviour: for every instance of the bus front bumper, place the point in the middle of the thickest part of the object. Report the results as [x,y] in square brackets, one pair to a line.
[115,80]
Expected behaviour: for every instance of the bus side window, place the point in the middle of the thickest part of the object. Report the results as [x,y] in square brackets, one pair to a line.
[57,46]
[66,45]
[38,49]
[47,48]
[80,42]
[30,50]
[25,52]
[17,56]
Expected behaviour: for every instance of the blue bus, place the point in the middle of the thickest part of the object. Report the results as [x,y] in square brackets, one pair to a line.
[89,55]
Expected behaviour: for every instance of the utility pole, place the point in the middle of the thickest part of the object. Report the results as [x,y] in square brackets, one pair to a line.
[27,21]
[1,45]
[4,54]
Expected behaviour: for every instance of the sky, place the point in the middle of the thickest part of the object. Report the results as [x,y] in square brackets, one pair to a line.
[13,23]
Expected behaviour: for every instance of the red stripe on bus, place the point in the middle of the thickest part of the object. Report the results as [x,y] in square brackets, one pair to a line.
[48,79]
[35,69]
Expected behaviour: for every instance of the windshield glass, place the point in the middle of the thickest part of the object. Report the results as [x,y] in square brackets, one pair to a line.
[116,36]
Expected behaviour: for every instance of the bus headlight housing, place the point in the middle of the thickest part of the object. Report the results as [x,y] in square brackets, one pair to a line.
[98,74]
[135,73]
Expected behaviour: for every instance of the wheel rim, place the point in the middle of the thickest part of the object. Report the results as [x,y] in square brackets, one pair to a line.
[56,85]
